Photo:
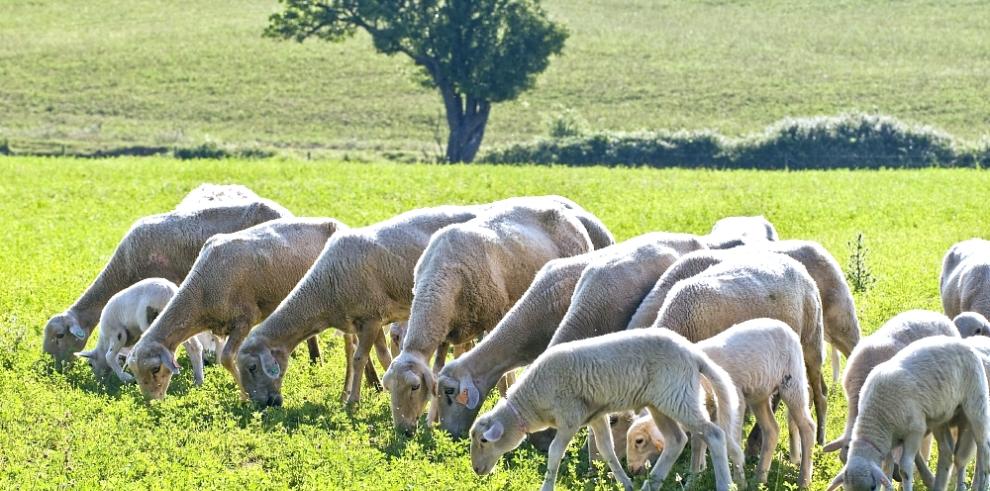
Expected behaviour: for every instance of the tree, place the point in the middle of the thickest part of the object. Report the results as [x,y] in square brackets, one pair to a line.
[474,52]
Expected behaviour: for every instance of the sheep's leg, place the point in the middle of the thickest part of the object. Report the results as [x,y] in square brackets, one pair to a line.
[754,442]
[460,349]
[114,361]
[835,365]
[909,449]
[381,350]
[194,350]
[674,442]
[794,449]
[817,381]
[502,387]
[313,343]
[771,434]
[606,448]
[557,448]
[367,334]
[803,430]
[944,467]
[228,358]
[965,447]
[698,449]
[349,342]
[433,415]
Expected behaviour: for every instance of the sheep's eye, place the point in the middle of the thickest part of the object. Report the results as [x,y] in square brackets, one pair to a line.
[60,335]
[639,441]
[253,368]
[484,440]
[415,387]
[612,420]
[154,371]
[449,391]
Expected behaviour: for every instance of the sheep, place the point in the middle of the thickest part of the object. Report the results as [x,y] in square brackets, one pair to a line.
[237,280]
[750,286]
[971,324]
[157,246]
[735,231]
[892,337]
[688,265]
[526,330]
[965,280]
[362,280]
[128,314]
[644,442]
[761,356]
[206,195]
[467,279]
[578,383]
[931,385]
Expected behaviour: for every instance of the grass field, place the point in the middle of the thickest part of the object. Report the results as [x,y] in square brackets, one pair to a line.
[140,72]
[63,217]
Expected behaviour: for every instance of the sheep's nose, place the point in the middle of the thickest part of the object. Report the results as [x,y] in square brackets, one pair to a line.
[409,432]
[275,400]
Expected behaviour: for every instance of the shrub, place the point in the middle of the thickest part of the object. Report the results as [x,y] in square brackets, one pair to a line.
[211,150]
[567,123]
[858,272]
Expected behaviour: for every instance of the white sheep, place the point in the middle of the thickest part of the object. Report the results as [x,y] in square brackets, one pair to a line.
[688,265]
[735,231]
[971,324]
[892,337]
[763,357]
[750,286]
[469,276]
[157,246]
[578,383]
[237,280]
[931,385]
[965,280]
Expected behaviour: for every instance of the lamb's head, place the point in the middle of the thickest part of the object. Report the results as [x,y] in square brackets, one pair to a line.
[643,443]
[261,369]
[397,331]
[860,474]
[63,337]
[460,398]
[98,362]
[495,433]
[972,324]
[153,366]
[410,381]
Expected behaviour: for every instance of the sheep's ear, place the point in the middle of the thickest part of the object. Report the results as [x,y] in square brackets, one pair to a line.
[656,436]
[494,432]
[469,395]
[168,360]
[269,365]
[76,330]
[388,380]
[839,479]
[881,478]
[834,445]
[86,354]
[410,377]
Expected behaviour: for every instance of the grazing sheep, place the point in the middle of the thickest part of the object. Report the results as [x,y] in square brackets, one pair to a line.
[735,231]
[688,265]
[763,357]
[237,280]
[644,442]
[751,286]
[469,276]
[528,327]
[157,246]
[362,280]
[932,385]
[207,195]
[971,324]
[128,314]
[578,383]
[892,337]
[965,281]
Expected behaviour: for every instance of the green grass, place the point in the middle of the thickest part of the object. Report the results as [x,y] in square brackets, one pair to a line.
[63,217]
[135,72]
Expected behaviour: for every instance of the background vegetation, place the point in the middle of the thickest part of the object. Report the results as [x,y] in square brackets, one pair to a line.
[63,217]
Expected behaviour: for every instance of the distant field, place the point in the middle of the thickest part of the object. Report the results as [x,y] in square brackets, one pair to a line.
[63,217]
[139,72]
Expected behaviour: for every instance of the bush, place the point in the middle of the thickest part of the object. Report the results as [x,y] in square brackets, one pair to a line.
[566,124]
[846,141]
[211,150]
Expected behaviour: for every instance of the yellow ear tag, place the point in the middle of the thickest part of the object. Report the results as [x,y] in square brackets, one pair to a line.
[462,398]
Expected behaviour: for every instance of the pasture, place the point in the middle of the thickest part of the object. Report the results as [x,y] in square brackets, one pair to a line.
[62,218]
[136,72]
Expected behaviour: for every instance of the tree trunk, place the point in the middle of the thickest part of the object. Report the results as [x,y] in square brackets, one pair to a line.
[466,121]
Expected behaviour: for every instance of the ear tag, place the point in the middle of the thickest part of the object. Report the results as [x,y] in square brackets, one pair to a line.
[462,398]
[274,371]
[77,332]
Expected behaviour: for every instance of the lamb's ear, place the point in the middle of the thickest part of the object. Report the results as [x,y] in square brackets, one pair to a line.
[468,395]
[881,478]
[410,378]
[494,432]
[839,479]
[834,445]
[656,436]
[76,330]
[86,354]
[269,365]
[168,360]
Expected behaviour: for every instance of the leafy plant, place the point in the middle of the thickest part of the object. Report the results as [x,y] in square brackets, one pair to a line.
[858,272]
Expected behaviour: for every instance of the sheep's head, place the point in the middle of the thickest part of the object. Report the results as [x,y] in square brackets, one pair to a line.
[494,434]
[63,337]
[396,332]
[459,397]
[861,474]
[643,444]
[411,383]
[261,369]
[98,362]
[153,366]
[972,324]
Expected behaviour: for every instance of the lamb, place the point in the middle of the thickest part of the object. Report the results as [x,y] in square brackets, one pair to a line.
[157,246]
[747,287]
[528,327]
[644,442]
[892,337]
[362,280]
[762,356]
[469,276]
[206,195]
[688,265]
[237,280]
[971,324]
[965,281]
[578,383]
[931,385]
[735,231]
[128,314]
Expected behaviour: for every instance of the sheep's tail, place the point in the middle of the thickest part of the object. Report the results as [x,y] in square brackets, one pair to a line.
[726,399]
